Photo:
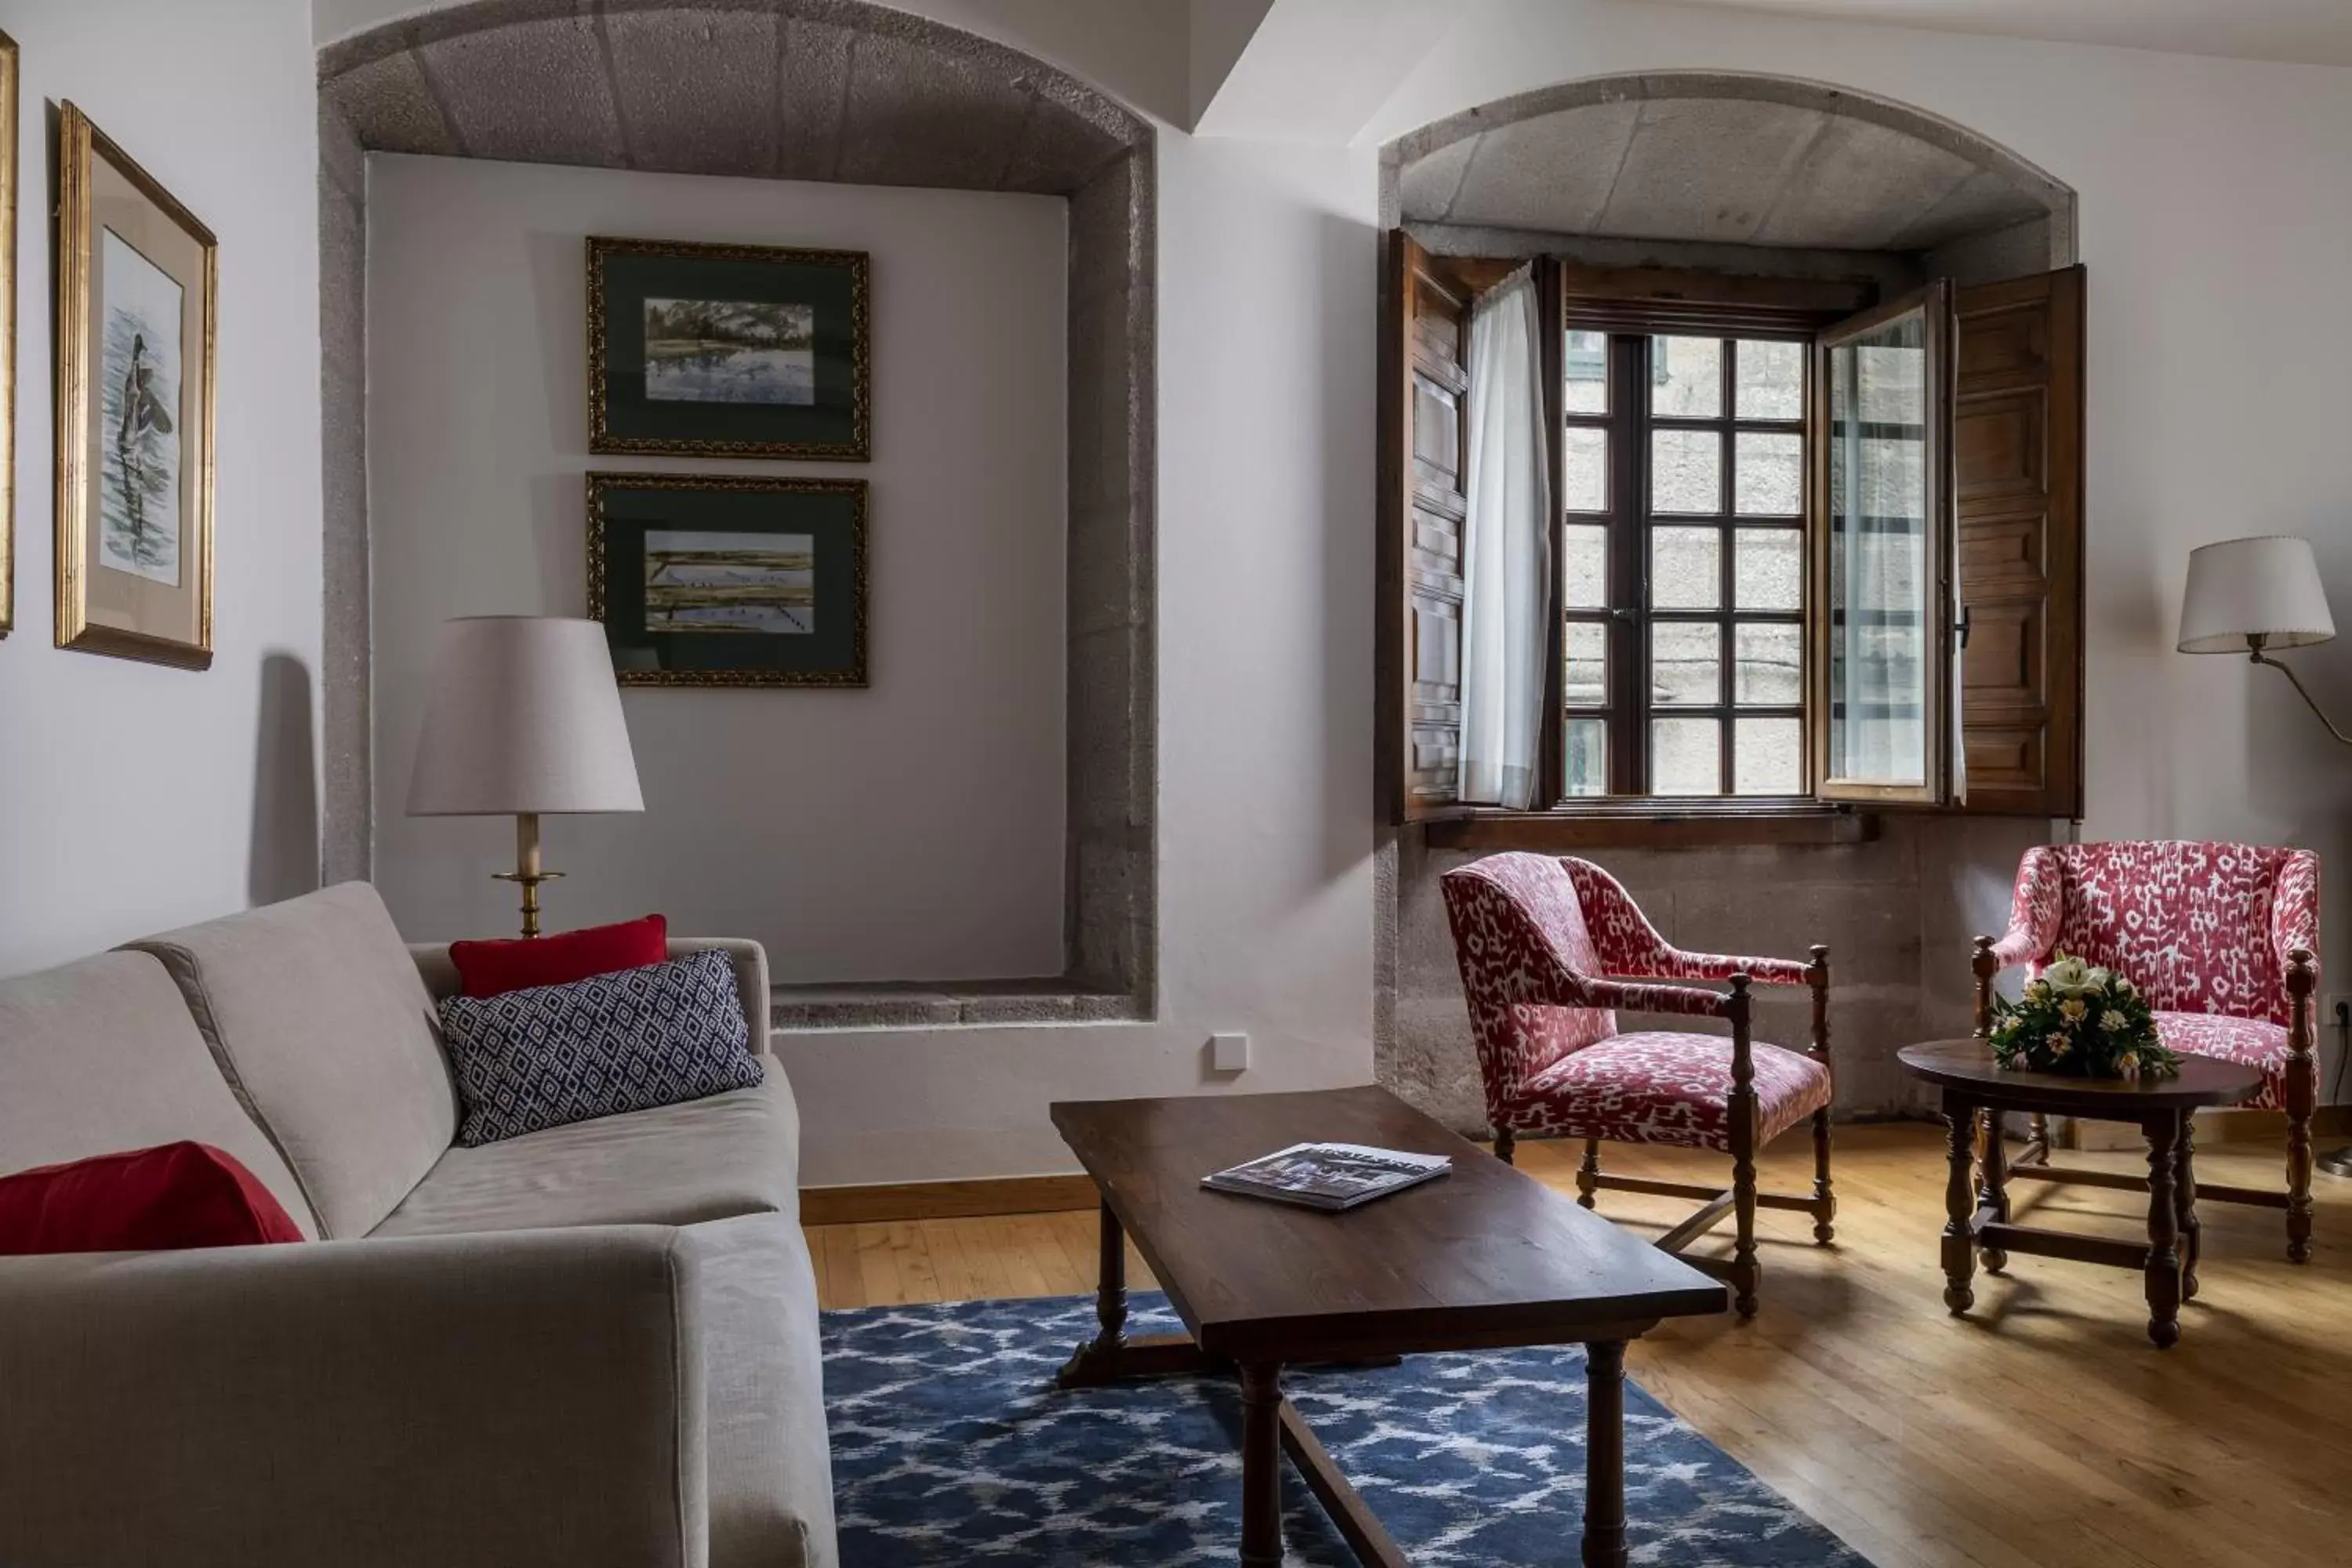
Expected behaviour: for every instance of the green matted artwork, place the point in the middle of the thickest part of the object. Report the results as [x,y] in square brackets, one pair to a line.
[724,579]
[728,351]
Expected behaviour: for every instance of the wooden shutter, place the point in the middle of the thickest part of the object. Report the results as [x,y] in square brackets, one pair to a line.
[1425,340]
[2017,459]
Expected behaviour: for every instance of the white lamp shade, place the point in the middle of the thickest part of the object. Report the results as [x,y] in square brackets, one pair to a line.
[523,715]
[2243,588]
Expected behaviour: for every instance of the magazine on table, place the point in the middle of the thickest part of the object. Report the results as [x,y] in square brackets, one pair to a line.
[1330,1177]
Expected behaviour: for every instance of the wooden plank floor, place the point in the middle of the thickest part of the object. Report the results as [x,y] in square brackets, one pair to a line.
[2045,1430]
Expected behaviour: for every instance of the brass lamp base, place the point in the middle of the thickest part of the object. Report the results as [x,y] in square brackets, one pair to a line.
[527,873]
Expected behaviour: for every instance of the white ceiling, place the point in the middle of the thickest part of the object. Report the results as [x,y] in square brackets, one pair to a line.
[2311,32]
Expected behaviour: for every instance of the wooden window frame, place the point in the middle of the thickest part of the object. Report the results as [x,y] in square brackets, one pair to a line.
[1634,307]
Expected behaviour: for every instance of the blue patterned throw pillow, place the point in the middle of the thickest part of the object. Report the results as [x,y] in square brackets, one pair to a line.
[549,1055]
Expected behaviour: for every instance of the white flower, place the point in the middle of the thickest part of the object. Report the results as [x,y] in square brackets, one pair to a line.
[2068,977]
[2122,987]
[2072,1008]
[2099,979]
[2111,1020]
[2038,992]
[2127,1062]
[2058,1043]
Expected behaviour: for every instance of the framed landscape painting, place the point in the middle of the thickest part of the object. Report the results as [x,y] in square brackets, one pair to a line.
[743,351]
[136,279]
[718,580]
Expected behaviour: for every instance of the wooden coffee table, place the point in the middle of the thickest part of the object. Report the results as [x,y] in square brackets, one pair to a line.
[1979,1210]
[1484,1258]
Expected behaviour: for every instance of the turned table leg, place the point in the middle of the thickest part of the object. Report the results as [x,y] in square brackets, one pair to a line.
[1992,1190]
[2163,1270]
[1261,1467]
[1959,1204]
[2184,1205]
[1604,1455]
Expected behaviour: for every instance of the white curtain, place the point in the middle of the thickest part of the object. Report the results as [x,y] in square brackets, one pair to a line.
[1507,552]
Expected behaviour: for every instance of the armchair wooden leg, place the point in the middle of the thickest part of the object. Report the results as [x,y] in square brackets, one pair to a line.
[1825,1200]
[1588,1174]
[1506,1146]
[1743,1107]
[2302,1099]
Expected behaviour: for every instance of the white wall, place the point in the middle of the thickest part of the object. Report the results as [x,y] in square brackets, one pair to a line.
[2212,223]
[135,797]
[913,830]
[1267,272]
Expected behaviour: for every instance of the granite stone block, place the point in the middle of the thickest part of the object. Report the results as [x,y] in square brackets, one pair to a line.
[812,99]
[391,108]
[919,117]
[532,92]
[697,89]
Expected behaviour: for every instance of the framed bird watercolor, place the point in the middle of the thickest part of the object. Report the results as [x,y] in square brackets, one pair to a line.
[137,277]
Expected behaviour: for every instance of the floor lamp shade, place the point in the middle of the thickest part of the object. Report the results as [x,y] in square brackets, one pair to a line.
[2243,589]
[522,716]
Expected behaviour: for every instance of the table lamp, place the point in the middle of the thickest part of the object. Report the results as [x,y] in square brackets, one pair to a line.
[2248,596]
[522,718]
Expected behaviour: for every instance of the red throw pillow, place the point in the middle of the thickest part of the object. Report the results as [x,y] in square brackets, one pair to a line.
[180,1194]
[491,968]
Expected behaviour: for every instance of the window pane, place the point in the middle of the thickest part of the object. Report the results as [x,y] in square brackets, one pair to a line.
[1584,470]
[1877,543]
[1686,471]
[1584,567]
[1770,469]
[1585,681]
[1685,756]
[1769,665]
[1685,568]
[1587,375]
[1767,569]
[1767,756]
[1771,381]
[1588,756]
[1686,664]
[1687,377]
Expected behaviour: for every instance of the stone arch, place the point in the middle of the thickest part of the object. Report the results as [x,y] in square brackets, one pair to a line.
[1702,158]
[800,89]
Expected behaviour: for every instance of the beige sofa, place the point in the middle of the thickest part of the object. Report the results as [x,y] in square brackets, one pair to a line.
[595,1345]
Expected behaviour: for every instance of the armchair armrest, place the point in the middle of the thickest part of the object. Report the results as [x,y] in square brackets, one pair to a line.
[533,1399]
[1629,945]
[2036,907]
[2294,911]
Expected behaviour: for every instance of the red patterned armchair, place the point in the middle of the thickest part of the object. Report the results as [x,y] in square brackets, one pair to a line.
[2219,939]
[1538,940]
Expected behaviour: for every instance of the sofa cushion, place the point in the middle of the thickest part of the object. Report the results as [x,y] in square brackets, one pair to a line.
[493,967]
[548,1055]
[770,1472]
[708,1159]
[173,1197]
[101,1055]
[315,1011]
[749,959]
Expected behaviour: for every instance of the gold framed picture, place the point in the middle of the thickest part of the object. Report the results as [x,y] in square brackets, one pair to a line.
[728,351]
[7,334]
[137,277]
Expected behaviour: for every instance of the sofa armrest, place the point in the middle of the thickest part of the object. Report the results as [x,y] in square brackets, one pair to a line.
[751,961]
[533,1399]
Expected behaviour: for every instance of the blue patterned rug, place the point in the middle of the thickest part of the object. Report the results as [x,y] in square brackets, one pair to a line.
[950,1445]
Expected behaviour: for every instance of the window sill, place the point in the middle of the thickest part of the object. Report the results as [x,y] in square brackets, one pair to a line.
[1643,825]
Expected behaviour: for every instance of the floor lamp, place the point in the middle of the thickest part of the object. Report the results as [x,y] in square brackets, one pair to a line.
[2250,597]
[522,719]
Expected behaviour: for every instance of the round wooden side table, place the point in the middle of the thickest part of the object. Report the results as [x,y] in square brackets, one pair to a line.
[1978,1205]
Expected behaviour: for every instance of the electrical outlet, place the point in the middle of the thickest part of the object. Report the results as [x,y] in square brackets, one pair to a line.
[2335,1011]
[1229,1053]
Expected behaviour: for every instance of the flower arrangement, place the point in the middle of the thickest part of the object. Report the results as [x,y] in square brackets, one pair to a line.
[2080,1018]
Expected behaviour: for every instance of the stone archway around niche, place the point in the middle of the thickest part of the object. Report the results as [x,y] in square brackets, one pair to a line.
[801,89]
